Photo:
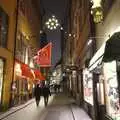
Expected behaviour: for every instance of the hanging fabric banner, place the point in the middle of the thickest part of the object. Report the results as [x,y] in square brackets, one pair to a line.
[43,57]
[38,75]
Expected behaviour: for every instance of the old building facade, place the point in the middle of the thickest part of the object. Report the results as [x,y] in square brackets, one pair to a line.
[102,66]
[7,36]
[27,43]
[19,42]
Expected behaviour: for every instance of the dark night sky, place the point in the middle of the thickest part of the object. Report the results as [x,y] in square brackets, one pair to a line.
[57,8]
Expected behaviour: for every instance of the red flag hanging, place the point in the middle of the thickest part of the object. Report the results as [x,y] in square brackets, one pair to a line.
[38,75]
[44,56]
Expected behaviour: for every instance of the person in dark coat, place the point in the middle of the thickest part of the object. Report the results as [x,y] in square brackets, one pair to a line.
[46,93]
[37,94]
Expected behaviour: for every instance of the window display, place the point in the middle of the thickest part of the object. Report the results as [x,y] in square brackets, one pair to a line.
[88,86]
[1,76]
[100,90]
[111,89]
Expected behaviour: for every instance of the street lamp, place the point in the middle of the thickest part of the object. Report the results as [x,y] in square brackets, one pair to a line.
[52,23]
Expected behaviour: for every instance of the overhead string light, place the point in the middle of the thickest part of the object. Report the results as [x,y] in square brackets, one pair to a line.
[52,23]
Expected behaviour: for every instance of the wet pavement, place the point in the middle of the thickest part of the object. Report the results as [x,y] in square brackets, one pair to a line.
[60,107]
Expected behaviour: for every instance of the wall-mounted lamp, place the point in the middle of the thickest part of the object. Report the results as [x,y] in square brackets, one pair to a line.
[41,31]
[89,41]
[70,35]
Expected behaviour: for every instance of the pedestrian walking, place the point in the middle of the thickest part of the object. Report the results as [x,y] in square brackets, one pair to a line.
[46,93]
[55,88]
[37,94]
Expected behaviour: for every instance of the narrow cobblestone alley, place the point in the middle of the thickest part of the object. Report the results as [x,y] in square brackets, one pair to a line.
[60,107]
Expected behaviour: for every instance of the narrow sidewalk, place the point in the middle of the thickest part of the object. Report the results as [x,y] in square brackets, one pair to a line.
[60,107]
[12,110]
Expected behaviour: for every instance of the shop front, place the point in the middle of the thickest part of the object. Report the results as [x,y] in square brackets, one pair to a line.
[23,83]
[88,92]
[1,78]
[105,68]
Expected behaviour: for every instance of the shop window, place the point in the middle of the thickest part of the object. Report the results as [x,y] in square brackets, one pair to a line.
[24,53]
[100,90]
[1,76]
[88,86]
[21,48]
[111,90]
[3,28]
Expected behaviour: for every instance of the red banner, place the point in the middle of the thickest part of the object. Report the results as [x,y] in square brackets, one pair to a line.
[38,75]
[44,56]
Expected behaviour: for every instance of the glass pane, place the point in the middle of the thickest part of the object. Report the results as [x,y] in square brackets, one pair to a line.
[111,89]
[3,28]
[1,76]
[88,86]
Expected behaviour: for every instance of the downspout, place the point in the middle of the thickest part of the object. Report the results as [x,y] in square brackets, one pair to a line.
[15,36]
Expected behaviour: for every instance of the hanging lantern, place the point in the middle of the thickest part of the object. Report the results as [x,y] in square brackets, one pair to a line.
[97,11]
[97,14]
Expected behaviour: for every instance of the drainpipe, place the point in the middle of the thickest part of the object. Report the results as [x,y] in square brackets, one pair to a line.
[15,36]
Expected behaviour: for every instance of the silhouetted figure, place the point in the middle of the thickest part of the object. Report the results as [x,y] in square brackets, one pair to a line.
[46,93]
[58,88]
[37,94]
[55,88]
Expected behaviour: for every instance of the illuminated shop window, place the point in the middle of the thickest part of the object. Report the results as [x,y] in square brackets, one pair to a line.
[88,86]
[111,90]
[1,76]
[3,28]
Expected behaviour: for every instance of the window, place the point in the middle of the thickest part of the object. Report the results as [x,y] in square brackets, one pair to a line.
[1,76]
[21,48]
[88,86]
[3,28]
[112,91]
[22,6]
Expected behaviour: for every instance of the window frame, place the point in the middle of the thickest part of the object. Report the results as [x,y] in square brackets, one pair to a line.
[3,43]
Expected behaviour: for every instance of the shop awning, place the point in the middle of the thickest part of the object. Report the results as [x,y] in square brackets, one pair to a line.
[25,70]
[109,51]
[38,75]
[112,48]
[97,58]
